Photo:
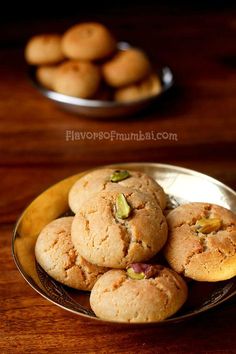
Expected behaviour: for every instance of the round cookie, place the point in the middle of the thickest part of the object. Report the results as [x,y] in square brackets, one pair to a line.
[44,49]
[77,78]
[113,229]
[88,41]
[202,242]
[45,75]
[117,297]
[126,67]
[55,253]
[100,180]
[149,87]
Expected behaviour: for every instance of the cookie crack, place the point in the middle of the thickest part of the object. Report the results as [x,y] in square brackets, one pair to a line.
[206,213]
[188,260]
[232,243]
[105,184]
[227,226]
[162,289]
[52,245]
[172,280]
[141,207]
[83,273]
[203,242]
[115,286]
[223,255]
[105,237]
[127,240]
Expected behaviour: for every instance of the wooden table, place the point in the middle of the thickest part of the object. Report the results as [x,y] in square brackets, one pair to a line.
[200,48]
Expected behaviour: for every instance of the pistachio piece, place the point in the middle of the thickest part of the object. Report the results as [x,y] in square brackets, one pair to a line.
[133,275]
[207,226]
[119,175]
[123,209]
[148,270]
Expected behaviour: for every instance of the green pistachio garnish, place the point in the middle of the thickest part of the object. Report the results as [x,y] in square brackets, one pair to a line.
[133,275]
[123,209]
[206,226]
[119,175]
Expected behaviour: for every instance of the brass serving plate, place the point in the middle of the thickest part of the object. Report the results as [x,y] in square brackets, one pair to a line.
[92,108]
[181,184]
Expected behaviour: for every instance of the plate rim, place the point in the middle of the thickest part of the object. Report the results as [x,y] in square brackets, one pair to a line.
[171,320]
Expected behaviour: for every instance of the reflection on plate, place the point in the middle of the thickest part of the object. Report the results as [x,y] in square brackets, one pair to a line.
[103,109]
[182,185]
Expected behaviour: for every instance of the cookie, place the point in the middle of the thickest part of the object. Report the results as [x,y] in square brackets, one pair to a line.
[77,78]
[126,68]
[100,180]
[57,256]
[117,297]
[149,87]
[202,242]
[88,41]
[113,229]
[44,49]
[45,75]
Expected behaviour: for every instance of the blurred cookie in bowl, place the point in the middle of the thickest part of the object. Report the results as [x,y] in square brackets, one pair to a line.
[77,78]
[44,49]
[56,254]
[108,179]
[126,67]
[148,87]
[95,75]
[45,74]
[88,41]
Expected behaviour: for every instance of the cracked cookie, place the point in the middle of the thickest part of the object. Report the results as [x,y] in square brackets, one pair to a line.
[55,253]
[113,180]
[113,229]
[157,295]
[202,242]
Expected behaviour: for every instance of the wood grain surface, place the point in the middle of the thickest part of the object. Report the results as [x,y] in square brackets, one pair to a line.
[201,110]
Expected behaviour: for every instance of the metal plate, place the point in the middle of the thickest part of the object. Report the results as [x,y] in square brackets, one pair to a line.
[103,109]
[181,185]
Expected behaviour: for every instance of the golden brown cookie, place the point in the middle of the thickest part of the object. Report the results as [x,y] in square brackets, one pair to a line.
[44,49]
[57,256]
[126,68]
[149,298]
[45,75]
[88,41]
[149,87]
[101,180]
[202,242]
[77,78]
[113,229]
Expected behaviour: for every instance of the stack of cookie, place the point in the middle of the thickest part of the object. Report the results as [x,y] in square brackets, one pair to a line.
[109,246]
[85,62]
